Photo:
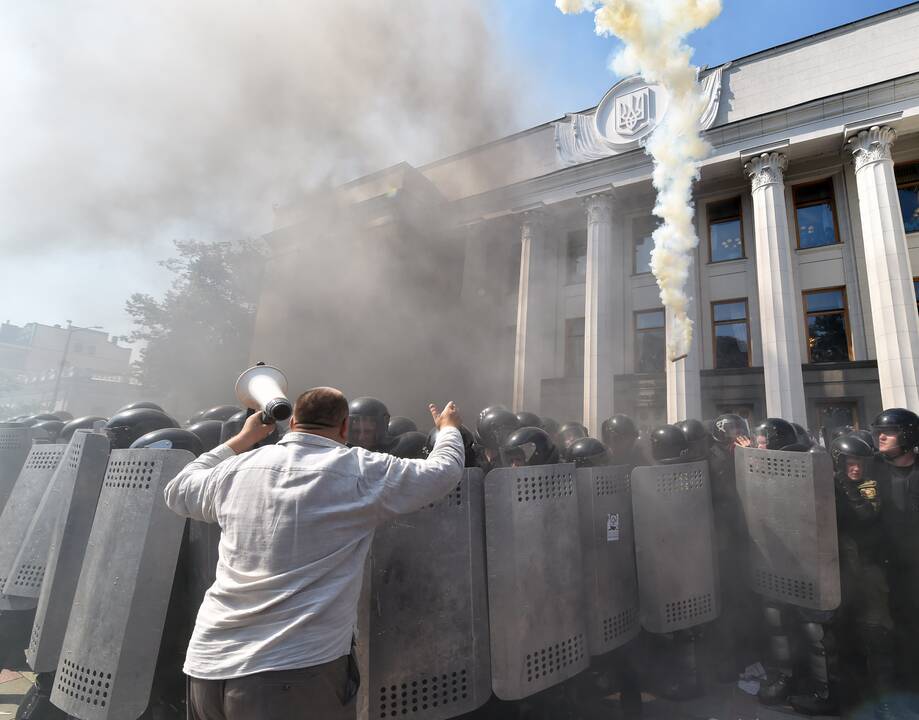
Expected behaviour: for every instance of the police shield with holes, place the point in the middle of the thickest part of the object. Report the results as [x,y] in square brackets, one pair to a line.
[109,653]
[608,552]
[535,579]
[426,610]
[15,442]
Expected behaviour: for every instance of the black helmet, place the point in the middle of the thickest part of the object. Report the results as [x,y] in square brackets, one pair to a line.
[589,452]
[669,445]
[728,427]
[495,427]
[208,432]
[168,438]
[81,423]
[399,425]
[550,425]
[616,427]
[866,436]
[220,412]
[63,415]
[528,446]
[233,425]
[569,432]
[802,436]
[697,436]
[831,433]
[410,445]
[469,445]
[528,419]
[196,417]
[51,427]
[850,446]
[487,410]
[368,423]
[128,425]
[778,433]
[904,424]
[140,405]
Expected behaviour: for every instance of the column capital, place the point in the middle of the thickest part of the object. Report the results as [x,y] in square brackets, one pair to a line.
[599,208]
[531,221]
[871,145]
[766,169]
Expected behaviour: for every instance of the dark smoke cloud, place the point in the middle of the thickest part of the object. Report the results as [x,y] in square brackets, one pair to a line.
[122,121]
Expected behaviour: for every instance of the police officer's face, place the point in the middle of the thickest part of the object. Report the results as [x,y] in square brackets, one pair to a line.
[363,431]
[855,469]
[762,442]
[888,439]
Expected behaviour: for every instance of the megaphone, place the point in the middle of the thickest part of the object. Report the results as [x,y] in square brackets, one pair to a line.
[264,387]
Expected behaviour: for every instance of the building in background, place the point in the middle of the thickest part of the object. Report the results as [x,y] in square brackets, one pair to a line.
[95,371]
[804,297]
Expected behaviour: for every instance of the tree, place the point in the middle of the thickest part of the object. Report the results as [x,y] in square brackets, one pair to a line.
[197,337]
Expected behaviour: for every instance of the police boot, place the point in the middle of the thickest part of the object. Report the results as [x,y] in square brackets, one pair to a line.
[776,688]
[822,701]
[36,705]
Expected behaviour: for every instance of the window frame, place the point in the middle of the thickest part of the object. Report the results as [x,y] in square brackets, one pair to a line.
[832,201]
[739,218]
[568,238]
[915,292]
[902,185]
[637,332]
[851,403]
[656,222]
[845,317]
[716,323]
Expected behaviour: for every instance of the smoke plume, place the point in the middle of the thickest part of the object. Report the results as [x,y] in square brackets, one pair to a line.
[654,33]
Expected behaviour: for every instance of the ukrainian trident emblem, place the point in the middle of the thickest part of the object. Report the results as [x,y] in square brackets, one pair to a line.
[633,111]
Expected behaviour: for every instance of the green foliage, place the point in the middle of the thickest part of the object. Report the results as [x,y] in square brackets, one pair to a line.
[197,336]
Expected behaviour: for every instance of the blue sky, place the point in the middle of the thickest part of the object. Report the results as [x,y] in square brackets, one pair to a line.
[570,63]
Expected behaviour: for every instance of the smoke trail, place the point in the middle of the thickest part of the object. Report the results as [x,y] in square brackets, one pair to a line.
[654,32]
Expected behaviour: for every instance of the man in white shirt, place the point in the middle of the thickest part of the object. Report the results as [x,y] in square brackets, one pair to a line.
[273,635]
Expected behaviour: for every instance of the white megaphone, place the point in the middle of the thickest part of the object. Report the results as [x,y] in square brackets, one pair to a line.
[264,387]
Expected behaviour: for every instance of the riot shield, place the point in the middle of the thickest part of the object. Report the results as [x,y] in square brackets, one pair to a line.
[674,546]
[113,635]
[203,543]
[535,579]
[23,502]
[77,482]
[608,552]
[15,442]
[790,510]
[427,625]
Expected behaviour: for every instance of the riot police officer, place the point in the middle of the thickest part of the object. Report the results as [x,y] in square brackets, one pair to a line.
[589,452]
[620,434]
[567,434]
[494,426]
[528,447]
[399,425]
[866,620]
[896,435]
[369,424]
[410,445]
[87,422]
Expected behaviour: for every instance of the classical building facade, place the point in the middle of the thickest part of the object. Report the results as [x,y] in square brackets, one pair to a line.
[807,210]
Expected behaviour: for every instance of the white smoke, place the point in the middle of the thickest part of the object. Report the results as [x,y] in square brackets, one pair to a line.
[654,33]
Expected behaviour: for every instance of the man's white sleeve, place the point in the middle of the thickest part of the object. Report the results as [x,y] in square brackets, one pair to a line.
[191,493]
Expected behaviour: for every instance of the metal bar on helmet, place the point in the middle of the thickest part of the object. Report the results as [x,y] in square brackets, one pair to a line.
[608,551]
[17,515]
[535,579]
[789,506]
[113,636]
[674,546]
[78,481]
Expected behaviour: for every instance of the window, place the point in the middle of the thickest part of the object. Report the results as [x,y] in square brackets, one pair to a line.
[577,257]
[642,228]
[725,239]
[908,189]
[731,333]
[574,347]
[815,214]
[836,414]
[827,325]
[649,341]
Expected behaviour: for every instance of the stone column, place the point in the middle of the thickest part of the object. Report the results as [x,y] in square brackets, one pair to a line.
[535,340]
[602,314]
[890,277]
[684,385]
[780,323]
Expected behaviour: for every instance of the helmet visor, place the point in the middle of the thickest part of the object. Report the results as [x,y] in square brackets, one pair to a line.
[519,455]
[363,431]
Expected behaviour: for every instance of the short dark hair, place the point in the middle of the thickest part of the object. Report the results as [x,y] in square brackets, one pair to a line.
[321,407]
